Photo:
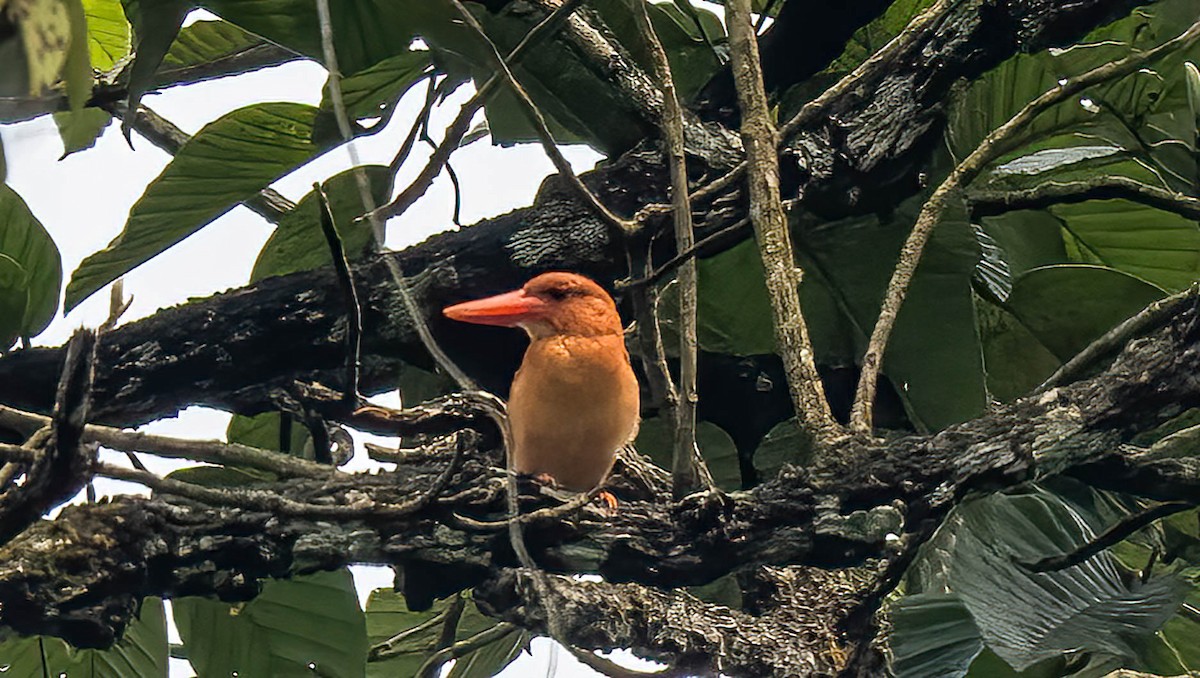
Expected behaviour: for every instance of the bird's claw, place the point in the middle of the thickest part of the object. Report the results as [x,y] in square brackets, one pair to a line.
[609,502]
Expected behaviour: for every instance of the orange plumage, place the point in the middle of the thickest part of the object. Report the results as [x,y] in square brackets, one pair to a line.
[574,401]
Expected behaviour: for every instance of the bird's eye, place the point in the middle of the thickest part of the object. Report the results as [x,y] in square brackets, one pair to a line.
[557,293]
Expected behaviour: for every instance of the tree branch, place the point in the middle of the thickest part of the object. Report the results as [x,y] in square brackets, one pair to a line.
[685,459]
[771,229]
[836,514]
[986,203]
[1000,141]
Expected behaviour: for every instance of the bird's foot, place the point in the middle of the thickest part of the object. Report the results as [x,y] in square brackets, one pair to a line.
[545,479]
[608,502]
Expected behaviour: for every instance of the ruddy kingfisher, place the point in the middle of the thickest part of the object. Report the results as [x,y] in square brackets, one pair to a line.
[574,401]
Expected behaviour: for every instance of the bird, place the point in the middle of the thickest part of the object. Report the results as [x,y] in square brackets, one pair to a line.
[574,401]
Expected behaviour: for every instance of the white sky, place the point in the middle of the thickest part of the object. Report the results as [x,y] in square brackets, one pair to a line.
[84,199]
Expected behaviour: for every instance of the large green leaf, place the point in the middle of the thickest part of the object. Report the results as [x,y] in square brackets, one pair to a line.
[1014,359]
[108,32]
[203,42]
[155,25]
[141,652]
[227,162]
[80,129]
[309,625]
[1026,617]
[373,93]
[23,238]
[934,357]
[364,33]
[298,243]
[933,636]
[14,299]
[1159,247]
[1145,117]
[655,438]
[1068,306]
[419,633]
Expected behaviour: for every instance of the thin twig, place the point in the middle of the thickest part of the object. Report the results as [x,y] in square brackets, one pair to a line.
[1117,337]
[434,663]
[1000,141]
[341,267]
[991,202]
[212,451]
[534,115]
[419,123]
[462,122]
[684,475]
[770,226]
[388,648]
[1110,537]
[656,276]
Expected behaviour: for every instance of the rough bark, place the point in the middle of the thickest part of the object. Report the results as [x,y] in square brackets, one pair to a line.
[80,575]
[240,350]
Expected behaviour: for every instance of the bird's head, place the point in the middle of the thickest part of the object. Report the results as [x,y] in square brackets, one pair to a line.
[550,304]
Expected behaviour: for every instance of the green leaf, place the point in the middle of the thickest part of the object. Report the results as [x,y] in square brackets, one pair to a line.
[14,298]
[298,243]
[490,660]
[141,652]
[77,70]
[388,616]
[1027,617]
[262,431]
[23,238]
[1015,360]
[155,25]
[220,476]
[934,357]
[1066,307]
[655,438]
[373,93]
[109,39]
[364,33]
[783,444]
[200,43]
[45,27]
[734,313]
[307,625]
[1159,247]
[224,164]
[934,636]
[80,129]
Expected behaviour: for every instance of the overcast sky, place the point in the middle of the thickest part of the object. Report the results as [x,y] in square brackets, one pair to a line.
[83,202]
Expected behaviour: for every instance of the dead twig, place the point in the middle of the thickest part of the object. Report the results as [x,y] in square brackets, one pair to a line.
[685,475]
[341,267]
[533,114]
[462,122]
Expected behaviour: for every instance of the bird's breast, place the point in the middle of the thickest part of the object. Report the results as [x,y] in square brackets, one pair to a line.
[573,403]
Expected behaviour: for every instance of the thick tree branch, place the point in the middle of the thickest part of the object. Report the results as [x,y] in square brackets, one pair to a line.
[837,514]
[188,355]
